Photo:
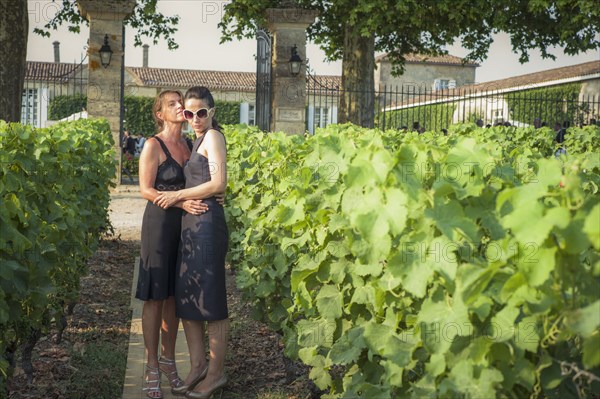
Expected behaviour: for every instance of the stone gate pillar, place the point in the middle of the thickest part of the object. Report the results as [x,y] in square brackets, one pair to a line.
[288,104]
[104,84]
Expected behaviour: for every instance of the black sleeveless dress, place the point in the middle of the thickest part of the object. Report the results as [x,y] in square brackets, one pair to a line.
[161,229]
[200,292]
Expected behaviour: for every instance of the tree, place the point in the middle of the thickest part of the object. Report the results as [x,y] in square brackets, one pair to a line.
[14,29]
[352,31]
[13,39]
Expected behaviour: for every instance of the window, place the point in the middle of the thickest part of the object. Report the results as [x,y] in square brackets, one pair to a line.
[251,114]
[248,113]
[321,116]
[442,84]
[29,107]
[498,115]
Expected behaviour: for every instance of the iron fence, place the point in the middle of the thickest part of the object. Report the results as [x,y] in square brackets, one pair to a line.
[421,108]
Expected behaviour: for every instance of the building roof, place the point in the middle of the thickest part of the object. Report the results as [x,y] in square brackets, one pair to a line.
[546,77]
[59,72]
[446,59]
[169,77]
[215,80]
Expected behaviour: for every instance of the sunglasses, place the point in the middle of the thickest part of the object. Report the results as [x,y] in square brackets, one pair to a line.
[201,113]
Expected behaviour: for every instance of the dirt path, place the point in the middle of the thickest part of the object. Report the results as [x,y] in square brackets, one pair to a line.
[126,210]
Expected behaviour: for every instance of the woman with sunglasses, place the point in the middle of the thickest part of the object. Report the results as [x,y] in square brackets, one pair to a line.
[200,294]
[161,168]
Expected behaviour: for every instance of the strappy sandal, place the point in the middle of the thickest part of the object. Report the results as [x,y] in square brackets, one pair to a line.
[172,376]
[153,392]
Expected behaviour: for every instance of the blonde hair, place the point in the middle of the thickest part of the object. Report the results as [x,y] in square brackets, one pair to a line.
[158,105]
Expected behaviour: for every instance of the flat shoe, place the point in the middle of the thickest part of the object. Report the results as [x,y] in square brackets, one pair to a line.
[206,395]
[183,389]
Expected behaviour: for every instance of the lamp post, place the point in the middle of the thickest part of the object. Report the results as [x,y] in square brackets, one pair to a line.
[295,62]
[105,53]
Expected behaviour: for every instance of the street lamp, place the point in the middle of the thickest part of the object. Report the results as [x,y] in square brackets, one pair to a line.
[295,62]
[105,53]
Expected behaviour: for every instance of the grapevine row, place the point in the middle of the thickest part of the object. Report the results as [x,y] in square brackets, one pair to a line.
[54,184]
[409,265]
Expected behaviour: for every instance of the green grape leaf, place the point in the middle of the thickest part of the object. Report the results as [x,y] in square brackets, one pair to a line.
[591,351]
[441,321]
[503,324]
[383,341]
[348,348]
[413,274]
[329,302]
[450,219]
[584,321]
[315,332]
[527,335]
[592,226]
[536,264]
[395,209]
[319,363]
[461,380]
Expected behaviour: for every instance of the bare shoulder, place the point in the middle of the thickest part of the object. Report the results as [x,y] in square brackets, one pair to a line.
[215,135]
[151,147]
[152,142]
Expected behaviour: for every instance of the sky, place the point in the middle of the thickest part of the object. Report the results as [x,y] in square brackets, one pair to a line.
[198,37]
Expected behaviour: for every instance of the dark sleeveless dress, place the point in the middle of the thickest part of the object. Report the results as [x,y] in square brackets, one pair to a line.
[200,292]
[161,230]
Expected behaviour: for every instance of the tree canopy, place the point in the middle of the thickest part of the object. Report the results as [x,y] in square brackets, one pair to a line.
[353,31]
[145,19]
[401,27]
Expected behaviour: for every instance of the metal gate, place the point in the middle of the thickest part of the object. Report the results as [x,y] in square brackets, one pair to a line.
[263,80]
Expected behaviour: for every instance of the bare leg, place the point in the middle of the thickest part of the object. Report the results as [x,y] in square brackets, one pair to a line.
[194,334]
[218,332]
[170,324]
[151,320]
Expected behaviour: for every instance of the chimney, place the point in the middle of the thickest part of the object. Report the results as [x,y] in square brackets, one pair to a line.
[56,45]
[145,62]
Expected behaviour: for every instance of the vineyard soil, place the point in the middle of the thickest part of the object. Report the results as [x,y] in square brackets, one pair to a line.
[102,319]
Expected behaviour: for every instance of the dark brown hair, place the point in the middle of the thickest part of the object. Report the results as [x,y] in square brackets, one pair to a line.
[159,102]
[202,93]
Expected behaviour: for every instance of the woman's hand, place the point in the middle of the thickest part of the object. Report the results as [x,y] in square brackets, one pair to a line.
[194,207]
[166,199]
[220,198]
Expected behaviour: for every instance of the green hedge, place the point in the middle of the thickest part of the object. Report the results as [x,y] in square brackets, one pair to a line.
[431,117]
[228,112]
[62,106]
[138,115]
[138,111]
[553,104]
[54,190]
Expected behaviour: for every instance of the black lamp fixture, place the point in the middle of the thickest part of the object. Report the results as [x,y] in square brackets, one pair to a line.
[105,53]
[295,62]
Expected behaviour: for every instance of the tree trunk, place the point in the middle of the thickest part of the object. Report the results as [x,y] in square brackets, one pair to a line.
[14,27]
[357,102]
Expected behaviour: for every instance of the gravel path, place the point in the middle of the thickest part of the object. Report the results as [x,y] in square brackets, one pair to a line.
[126,210]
